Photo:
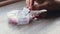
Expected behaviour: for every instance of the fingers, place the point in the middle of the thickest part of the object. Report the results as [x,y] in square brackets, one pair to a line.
[29,4]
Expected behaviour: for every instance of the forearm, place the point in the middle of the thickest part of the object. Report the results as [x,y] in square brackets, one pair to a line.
[44,4]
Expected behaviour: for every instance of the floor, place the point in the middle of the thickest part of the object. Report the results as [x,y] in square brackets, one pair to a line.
[42,26]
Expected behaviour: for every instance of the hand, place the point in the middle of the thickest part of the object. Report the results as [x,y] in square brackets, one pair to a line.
[29,4]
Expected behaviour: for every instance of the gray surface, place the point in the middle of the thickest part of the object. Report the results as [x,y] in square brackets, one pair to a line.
[43,26]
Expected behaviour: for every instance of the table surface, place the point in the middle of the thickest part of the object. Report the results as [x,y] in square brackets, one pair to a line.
[42,26]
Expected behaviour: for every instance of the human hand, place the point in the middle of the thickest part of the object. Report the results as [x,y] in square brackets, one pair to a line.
[29,4]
